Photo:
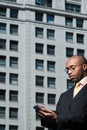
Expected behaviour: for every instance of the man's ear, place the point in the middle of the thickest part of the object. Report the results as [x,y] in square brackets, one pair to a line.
[84,66]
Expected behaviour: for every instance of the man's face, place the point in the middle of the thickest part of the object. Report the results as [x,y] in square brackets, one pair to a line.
[74,69]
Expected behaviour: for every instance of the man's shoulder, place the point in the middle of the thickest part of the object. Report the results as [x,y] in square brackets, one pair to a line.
[69,91]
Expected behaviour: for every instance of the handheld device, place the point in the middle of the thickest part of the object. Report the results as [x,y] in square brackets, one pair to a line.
[36,107]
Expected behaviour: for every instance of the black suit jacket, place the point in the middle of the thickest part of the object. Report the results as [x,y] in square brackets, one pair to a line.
[72,112]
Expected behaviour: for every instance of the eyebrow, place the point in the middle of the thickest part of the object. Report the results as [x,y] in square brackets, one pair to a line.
[71,66]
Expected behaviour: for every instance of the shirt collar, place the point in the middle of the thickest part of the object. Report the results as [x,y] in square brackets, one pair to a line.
[84,81]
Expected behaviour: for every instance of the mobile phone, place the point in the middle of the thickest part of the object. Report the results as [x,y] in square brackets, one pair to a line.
[37,107]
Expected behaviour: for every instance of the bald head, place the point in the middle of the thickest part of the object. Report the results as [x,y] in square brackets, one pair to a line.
[76,67]
[79,59]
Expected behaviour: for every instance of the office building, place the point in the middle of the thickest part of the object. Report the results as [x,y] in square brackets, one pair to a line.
[36,38]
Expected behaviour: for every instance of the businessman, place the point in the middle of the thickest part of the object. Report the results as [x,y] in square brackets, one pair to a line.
[71,109]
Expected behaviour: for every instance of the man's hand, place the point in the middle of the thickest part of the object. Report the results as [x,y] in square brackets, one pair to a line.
[46,113]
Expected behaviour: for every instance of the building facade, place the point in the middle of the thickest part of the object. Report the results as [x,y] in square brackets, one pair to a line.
[36,38]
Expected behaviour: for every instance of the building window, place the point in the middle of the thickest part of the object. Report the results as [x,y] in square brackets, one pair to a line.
[37,116]
[50,18]
[39,81]
[2,127]
[73,7]
[39,64]
[13,113]
[39,32]
[39,98]
[79,23]
[2,11]
[14,29]
[14,45]
[80,38]
[2,77]
[47,3]
[14,13]
[2,28]
[13,95]
[39,48]
[14,79]
[39,128]
[50,49]
[51,82]
[14,62]
[11,0]
[51,98]
[2,95]
[2,60]
[38,16]
[2,44]
[69,52]
[50,65]
[50,34]
[80,52]
[13,127]
[69,21]
[70,84]
[69,37]
[39,2]
[2,112]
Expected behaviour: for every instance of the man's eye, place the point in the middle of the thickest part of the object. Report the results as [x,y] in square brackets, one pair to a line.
[73,68]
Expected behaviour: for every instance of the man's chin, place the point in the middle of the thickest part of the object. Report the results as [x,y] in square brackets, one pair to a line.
[73,79]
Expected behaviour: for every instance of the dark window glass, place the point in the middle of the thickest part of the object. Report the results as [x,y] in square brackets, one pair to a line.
[2,27]
[2,112]
[51,98]
[13,96]
[80,38]
[39,128]
[79,23]
[80,52]
[39,32]
[39,48]
[2,94]
[47,3]
[14,45]
[14,13]
[70,84]
[2,60]
[13,113]
[50,49]
[69,52]
[2,77]
[39,98]
[14,29]
[2,127]
[69,21]
[73,7]
[13,127]
[2,11]
[39,16]
[2,44]
[39,81]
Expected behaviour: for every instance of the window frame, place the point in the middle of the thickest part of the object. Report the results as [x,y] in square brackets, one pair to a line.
[39,97]
[50,34]
[39,64]
[39,81]
[51,82]
[13,78]
[69,52]
[51,98]
[13,113]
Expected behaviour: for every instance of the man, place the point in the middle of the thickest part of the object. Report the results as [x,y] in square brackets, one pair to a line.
[71,110]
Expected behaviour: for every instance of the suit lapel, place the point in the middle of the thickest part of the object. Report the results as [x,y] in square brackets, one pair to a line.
[81,93]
